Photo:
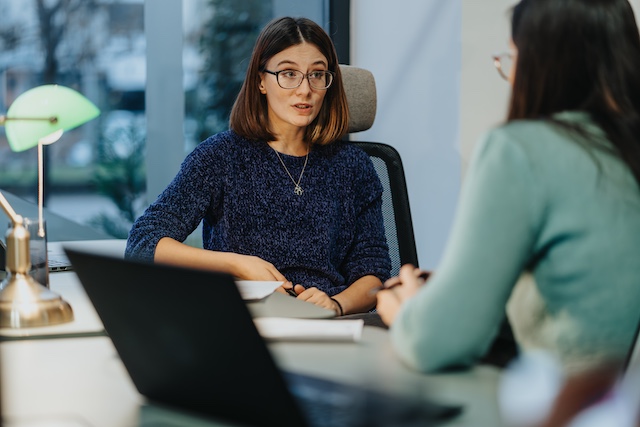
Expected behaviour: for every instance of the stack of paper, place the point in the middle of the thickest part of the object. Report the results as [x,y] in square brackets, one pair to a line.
[291,329]
[255,289]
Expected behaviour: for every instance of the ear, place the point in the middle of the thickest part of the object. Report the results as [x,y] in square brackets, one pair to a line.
[262,86]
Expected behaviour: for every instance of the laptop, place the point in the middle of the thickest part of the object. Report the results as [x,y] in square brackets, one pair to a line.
[188,341]
[56,258]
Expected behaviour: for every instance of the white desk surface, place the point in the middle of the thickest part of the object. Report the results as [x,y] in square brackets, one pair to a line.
[85,319]
[81,382]
[67,285]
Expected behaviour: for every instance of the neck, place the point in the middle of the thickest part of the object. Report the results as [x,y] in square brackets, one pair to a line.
[292,148]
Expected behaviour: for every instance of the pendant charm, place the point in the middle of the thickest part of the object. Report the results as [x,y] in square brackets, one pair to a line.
[298,190]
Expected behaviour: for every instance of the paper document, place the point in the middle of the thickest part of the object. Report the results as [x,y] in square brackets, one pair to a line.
[291,329]
[256,289]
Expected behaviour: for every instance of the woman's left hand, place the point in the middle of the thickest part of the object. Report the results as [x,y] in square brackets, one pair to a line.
[397,290]
[315,296]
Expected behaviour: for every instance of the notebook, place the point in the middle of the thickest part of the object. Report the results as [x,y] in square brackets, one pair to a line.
[188,341]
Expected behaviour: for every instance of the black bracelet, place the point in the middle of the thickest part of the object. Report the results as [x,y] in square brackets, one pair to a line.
[339,306]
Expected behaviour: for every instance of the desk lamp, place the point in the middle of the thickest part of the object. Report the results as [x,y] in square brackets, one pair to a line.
[38,117]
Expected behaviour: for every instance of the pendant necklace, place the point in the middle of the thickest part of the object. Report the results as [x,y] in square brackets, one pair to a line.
[297,189]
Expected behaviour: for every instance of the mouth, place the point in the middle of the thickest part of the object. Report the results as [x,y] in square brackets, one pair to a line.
[302,106]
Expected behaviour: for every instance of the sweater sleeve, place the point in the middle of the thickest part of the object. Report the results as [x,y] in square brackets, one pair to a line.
[180,207]
[454,317]
[369,252]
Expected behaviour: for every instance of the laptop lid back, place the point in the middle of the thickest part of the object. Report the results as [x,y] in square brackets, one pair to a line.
[187,339]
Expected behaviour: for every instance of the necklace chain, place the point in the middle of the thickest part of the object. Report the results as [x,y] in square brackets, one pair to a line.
[297,189]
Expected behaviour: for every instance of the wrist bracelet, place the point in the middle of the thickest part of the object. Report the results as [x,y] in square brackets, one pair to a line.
[339,306]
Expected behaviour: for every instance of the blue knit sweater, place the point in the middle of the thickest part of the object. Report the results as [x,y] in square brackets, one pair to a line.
[328,237]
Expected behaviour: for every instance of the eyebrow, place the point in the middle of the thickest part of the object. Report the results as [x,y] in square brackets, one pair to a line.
[289,62]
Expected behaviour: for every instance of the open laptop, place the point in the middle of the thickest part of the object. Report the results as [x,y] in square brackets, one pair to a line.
[188,341]
[56,258]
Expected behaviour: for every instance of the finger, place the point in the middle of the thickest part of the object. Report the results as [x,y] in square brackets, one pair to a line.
[387,306]
[410,283]
[312,295]
[409,275]
[277,275]
[287,285]
[394,281]
[422,275]
[299,289]
[306,294]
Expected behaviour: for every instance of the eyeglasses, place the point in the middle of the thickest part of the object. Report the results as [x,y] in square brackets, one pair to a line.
[503,63]
[291,79]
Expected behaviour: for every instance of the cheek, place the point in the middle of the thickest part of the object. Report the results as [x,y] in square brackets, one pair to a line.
[320,101]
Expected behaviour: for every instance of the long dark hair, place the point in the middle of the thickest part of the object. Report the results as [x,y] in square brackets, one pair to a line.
[249,114]
[580,55]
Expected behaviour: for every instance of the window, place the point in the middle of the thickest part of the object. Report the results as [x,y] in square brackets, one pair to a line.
[96,174]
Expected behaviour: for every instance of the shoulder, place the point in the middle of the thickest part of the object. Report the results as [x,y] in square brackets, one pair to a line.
[528,143]
[225,145]
[545,137]
[222,141]
[344,152]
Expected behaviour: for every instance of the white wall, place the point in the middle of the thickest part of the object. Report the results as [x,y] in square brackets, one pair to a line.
[412,47]
[484,95]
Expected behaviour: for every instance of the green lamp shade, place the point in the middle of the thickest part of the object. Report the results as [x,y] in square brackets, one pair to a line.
[27,117]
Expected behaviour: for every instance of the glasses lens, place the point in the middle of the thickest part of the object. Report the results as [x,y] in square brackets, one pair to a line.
[290,79]
[320,79]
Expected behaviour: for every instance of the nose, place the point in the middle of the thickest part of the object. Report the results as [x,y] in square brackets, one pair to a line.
[305,86]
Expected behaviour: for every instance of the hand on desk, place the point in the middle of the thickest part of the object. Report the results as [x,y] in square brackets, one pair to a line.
[251,267]
[397,290]
[312,295]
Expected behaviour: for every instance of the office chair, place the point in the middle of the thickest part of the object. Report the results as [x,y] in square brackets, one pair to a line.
[360,89]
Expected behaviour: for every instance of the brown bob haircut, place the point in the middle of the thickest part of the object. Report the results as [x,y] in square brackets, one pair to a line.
[249,117]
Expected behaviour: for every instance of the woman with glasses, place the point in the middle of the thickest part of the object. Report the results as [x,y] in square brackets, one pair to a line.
[548,224]
[280,197]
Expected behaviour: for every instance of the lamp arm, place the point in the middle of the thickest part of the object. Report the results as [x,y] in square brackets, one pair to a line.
[15,218]
[53,119]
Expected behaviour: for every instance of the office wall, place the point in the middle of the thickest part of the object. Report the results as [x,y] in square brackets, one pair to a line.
[484,94]
[412,47]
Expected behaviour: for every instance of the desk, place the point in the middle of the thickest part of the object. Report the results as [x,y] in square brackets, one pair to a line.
[80,381]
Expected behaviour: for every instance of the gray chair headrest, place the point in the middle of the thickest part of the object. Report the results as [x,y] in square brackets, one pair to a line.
[360,88]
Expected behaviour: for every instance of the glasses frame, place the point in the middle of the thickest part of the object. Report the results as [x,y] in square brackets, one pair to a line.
[277,74]
[497,62]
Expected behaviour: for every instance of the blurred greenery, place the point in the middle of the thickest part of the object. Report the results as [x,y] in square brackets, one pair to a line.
[120,175]
[226,43]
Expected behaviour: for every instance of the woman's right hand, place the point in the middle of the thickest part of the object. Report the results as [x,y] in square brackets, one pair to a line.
[245,267]
[397,290]
[249,267]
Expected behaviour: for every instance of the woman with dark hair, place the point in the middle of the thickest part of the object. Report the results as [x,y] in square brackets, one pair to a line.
[548,224]
[279,195]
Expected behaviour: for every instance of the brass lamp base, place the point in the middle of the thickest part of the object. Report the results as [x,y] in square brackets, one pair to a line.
[25,303]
